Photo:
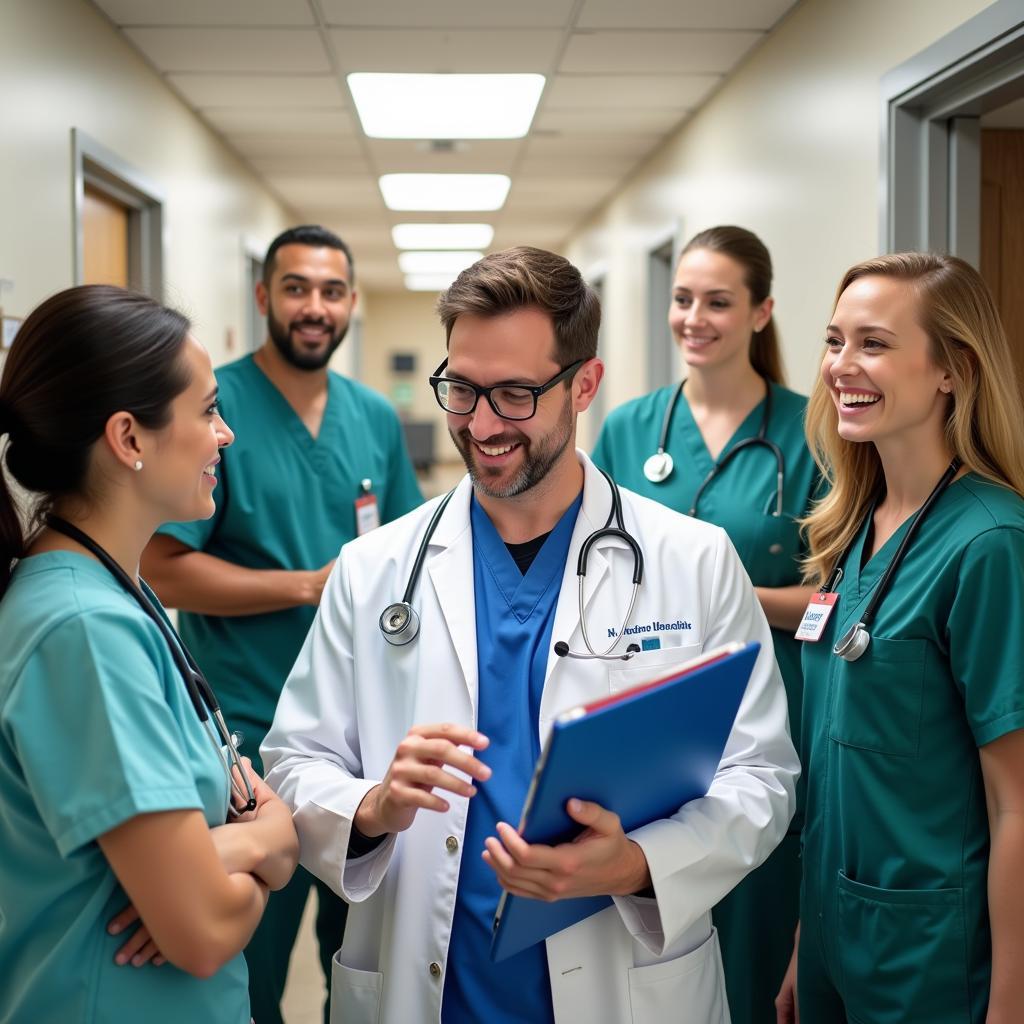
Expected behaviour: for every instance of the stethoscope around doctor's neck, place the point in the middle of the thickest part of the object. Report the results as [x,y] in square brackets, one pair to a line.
[200,693]
[659,466]
[400,623]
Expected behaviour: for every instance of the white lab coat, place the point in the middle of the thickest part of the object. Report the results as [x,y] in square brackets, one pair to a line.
[351,698]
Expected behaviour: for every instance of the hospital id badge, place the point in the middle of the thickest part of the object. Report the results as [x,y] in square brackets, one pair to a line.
[367,514]
[816,617]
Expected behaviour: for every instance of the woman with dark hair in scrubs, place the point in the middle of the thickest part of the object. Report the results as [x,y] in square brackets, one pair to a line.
[125,894]
[715,447]
[913,725]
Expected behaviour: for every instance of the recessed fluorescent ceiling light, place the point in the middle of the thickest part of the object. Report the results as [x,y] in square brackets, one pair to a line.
[445,106]
[442,236]
[445,191]
[428,282]
[445,262]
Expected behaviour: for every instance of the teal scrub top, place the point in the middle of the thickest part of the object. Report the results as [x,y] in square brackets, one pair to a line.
[896,840]
[740,499]
[96,727]
[285,501]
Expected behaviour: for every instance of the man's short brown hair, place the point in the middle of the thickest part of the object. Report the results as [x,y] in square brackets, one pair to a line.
[523,278]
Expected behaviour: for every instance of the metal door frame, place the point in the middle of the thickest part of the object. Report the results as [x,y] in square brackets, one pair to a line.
[930,174]
[102,169]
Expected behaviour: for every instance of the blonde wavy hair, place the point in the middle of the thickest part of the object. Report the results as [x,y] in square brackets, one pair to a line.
[956,310]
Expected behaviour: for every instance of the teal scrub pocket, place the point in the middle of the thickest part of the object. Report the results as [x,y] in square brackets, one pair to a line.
[774,561]
[877,699]
[901,954]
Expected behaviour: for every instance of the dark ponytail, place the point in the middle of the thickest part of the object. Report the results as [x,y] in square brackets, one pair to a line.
[750,253]
[81,356]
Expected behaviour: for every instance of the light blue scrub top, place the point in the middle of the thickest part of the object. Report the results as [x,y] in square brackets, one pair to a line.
[515,615]
[285,500]
[96,727]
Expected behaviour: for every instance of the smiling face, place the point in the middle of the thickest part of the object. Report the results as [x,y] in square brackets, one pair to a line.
[879,368]
[308,303]
[712,316]
[507,457]
[179,474]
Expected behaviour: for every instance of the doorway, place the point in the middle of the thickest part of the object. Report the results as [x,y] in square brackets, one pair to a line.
[1002,221]
[104,239]
[953,159]
[662,364]
[117,221]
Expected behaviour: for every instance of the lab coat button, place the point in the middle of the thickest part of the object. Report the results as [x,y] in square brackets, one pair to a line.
[451,844]
[775,549]
[435,969]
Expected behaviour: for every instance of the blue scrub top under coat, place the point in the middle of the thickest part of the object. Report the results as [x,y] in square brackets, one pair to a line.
[515,616]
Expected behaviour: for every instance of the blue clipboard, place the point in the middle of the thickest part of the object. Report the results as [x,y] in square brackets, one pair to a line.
[642,753]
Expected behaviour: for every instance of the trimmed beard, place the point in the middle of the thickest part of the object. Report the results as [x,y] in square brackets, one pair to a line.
[281,336]
[538,458]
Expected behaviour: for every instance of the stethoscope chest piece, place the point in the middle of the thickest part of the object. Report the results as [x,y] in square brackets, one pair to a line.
[658,467]
[853,643]
[399,623]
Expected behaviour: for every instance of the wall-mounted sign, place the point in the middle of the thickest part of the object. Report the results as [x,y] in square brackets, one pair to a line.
[401,394]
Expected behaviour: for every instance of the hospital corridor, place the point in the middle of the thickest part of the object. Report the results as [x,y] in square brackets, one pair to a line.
[511,512]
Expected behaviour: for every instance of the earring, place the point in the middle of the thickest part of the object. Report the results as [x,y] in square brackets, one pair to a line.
[138,465]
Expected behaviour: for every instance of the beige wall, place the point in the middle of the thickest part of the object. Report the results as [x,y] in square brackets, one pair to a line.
[405,322]
[63,65]
[789,148]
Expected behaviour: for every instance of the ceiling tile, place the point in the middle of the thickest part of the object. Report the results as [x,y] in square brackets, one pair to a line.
[329,192]
[656,52]
[242,120]
[361,216]
[542,234]
[296,161]
[445,51]
[260,90]
[573,164]
[447,13]
[568,193]
[242,13]
[259,144]
[688,14]
[485,157]
[610,122]
[259,50]
[629,92]
[555,145]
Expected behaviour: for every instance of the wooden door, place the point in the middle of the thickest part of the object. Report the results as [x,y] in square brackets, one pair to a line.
[104,239]
[1002,230]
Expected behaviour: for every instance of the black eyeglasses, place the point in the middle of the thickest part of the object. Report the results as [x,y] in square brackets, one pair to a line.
[509,401]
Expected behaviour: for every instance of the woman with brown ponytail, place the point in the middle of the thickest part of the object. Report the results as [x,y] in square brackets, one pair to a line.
[728,446]
[114,802]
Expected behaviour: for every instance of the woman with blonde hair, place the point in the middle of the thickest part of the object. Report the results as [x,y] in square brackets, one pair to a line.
[914,659]
[727,445]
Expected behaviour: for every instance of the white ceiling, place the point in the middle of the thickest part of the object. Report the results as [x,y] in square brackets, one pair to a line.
[269,77]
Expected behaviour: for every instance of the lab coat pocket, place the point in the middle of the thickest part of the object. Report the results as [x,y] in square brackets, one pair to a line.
[688,988]
[355,995]
[901,953]
[647,666]
[877,699]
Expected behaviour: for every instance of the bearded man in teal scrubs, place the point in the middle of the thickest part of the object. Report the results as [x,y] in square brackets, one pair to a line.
[310,445]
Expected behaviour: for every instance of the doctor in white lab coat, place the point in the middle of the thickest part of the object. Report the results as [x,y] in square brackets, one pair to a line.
[381,797]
